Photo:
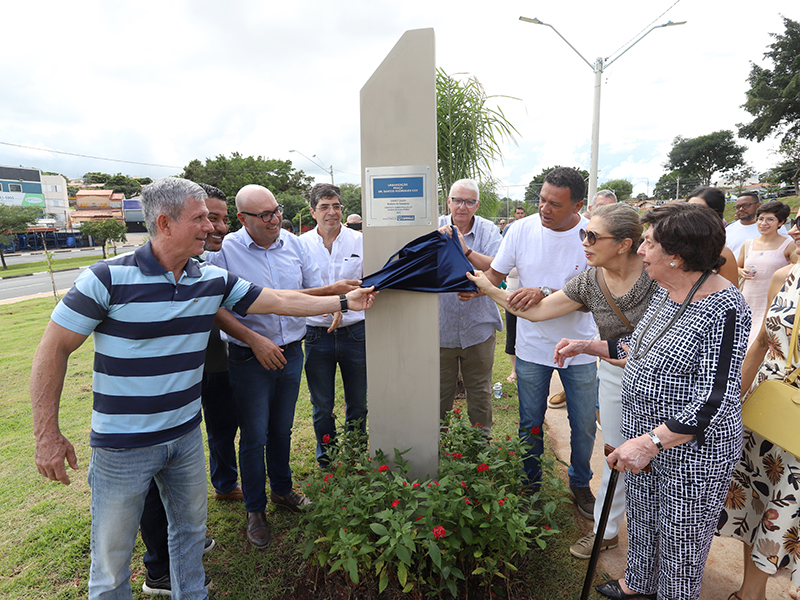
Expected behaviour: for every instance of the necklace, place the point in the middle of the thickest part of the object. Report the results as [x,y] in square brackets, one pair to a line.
[637,349]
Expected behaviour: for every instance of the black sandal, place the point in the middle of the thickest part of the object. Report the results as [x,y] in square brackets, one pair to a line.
[612,589]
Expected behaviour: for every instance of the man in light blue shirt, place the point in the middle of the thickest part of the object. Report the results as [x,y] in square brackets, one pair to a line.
[468,329]
[265,370]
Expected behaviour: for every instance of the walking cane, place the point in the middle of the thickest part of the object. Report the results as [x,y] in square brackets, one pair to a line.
[601,526]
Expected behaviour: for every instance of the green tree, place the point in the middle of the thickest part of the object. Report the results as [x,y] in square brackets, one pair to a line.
[789,169]
[469,130]
[232,174]
[621,187]
[706,155]
[15,219]
[292,203]
[105,230]
[95,177]
[535,186]
[774,94]
[739,176]
[351,199]
[144,180]
[674,185]
[120,183]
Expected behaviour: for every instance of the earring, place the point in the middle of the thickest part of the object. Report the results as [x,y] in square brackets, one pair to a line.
[672,264]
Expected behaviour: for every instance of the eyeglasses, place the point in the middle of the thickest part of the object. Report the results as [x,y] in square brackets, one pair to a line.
[593,237]
[794,223]
[266,216]
[745,205]
[470,202]
[327,207]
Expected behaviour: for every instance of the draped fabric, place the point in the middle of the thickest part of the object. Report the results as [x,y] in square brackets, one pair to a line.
[432,263]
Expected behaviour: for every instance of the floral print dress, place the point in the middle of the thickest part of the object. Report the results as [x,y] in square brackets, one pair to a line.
[762,507]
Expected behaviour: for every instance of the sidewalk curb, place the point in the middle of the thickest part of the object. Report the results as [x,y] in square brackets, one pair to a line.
[41,273]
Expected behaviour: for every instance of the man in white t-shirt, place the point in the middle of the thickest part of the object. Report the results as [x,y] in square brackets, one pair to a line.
[745,227]
[547,252]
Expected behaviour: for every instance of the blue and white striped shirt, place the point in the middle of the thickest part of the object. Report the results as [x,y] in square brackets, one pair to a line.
[150,336]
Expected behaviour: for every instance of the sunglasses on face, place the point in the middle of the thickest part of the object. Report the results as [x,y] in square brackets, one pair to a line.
[794,223]
[592,237]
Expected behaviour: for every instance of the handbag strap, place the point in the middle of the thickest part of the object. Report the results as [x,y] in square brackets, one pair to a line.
[601,282]
[791,377]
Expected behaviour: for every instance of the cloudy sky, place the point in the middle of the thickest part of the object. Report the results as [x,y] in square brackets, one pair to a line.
[164,82]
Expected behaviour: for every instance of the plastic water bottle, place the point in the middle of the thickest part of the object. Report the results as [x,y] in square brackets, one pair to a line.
[498,390]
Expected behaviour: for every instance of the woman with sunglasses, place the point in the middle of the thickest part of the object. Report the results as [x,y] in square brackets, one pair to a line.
[761,257]
[714,198]
[758,509]
[610,241]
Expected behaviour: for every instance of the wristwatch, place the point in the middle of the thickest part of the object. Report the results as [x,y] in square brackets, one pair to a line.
[546,291]
[656,440]
[343,302]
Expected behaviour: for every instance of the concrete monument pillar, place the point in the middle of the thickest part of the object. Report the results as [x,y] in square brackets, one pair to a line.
[399,196]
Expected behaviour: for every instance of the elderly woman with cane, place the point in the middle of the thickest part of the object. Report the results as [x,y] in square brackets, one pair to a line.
[680,404]
[617,290]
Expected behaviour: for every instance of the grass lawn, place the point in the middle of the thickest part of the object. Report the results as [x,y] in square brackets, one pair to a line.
[44,526]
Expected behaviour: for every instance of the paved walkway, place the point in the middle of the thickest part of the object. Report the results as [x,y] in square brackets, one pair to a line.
[723,573]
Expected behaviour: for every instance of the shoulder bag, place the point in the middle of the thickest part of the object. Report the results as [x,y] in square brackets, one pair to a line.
[773,409]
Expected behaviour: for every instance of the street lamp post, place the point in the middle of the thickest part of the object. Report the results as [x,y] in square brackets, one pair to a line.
[599,66]
[316,162]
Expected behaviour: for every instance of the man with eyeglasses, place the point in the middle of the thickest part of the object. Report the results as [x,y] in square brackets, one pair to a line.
[468,330]
[338,252]
[744,228]
[265,370]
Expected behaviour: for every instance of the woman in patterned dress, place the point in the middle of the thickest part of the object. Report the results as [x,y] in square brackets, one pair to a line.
[762,507]
[680,404]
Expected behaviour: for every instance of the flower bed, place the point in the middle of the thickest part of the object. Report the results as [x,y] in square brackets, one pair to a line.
[371,521]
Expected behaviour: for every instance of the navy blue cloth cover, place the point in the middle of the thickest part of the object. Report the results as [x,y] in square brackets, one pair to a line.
[433,263]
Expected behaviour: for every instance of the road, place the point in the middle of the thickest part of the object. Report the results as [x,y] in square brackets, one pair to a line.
[39,283]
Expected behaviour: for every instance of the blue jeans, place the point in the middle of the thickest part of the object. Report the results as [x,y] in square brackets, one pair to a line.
[120,480]
[265,401]
[219,413]
[533,382]
[345,347]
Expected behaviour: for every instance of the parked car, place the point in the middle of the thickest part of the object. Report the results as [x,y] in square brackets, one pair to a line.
[787,191]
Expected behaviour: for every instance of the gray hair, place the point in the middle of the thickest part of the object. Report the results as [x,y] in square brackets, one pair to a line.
[469,184]
[605,194]
[354,218]
[622,221]
[167,196]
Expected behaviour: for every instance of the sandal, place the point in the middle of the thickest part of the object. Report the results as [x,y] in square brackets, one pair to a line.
[734,596]
[612,589]
[512,378]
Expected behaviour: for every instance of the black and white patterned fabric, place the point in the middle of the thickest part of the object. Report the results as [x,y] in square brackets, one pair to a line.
[689,380]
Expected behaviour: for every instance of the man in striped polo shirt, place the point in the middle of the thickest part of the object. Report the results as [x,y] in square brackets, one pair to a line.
[150,313]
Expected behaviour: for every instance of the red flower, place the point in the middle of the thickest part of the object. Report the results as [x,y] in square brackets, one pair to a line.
[328,476]
[508,437]
[326,439]
[457,411]
[467,500]
[456,455]
[477,425]
[434,482]
[512,453]
[395,503]
[546,527]
[463,484]
[500,502]
[439,532]
[383,468]
[535,430]
[415,485]
[420,517]
[483,467]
